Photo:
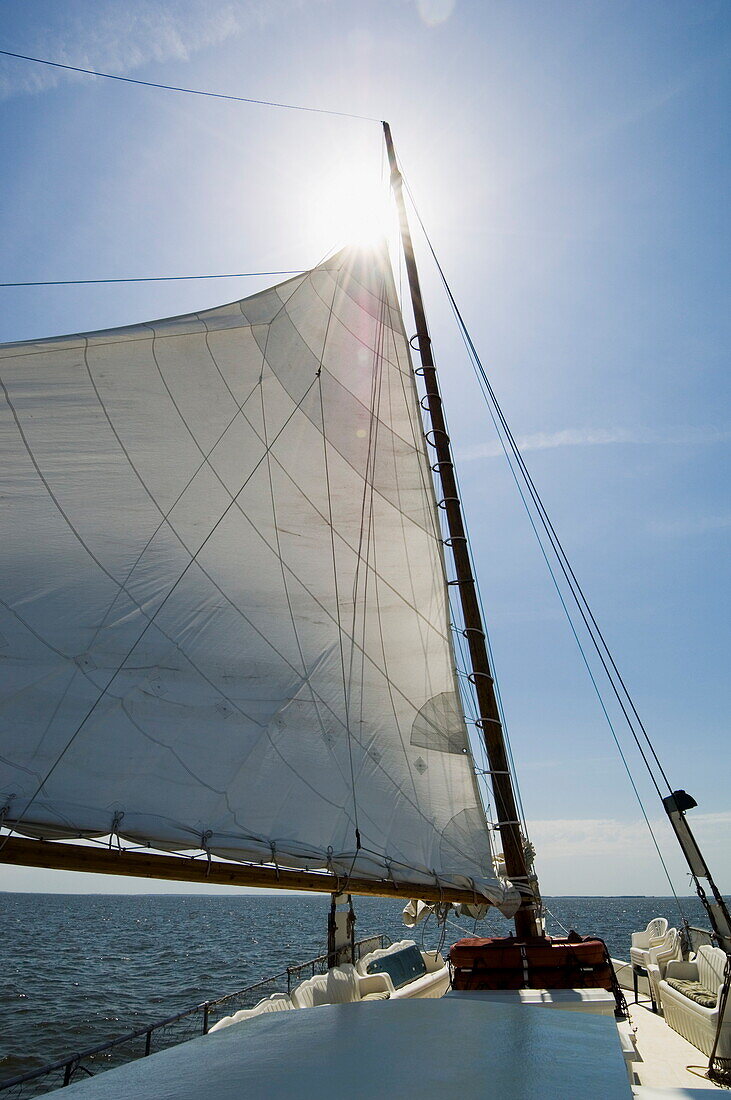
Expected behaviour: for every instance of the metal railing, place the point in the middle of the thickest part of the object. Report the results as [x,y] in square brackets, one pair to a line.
[184,1025]
[319,965]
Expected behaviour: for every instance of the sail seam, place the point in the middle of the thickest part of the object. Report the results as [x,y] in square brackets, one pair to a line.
[335,570]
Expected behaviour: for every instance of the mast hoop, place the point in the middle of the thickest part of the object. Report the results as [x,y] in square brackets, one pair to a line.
[445,501]
[420,336]
[467,630]
[429,398]
[450,542]
[473,677]
[436,466]
[435,432]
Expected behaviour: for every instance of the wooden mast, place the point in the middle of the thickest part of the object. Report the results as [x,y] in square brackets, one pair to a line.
[526,919]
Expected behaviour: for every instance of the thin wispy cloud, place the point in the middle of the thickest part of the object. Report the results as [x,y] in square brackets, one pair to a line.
[120,38]
[595,437]
[607,837]
[680,526]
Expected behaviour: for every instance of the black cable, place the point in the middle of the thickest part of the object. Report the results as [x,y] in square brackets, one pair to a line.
[595,634]
[188,91]
[158,278]
[568,573]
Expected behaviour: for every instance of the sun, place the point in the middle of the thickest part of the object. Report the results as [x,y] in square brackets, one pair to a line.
[354,208]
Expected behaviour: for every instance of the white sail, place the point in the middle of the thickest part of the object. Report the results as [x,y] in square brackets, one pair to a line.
[224,612]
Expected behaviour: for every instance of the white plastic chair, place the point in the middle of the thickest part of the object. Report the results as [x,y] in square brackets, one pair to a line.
[639,953]
[668,951]
[643,941]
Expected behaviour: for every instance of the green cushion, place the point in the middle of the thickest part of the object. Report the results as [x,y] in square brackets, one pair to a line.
[401,966]
[694,991]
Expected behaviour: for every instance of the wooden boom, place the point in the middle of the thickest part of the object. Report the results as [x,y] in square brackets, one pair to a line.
[61,856]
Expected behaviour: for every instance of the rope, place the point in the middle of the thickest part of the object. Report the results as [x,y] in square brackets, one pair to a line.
[719,1069]
[205,838]
[273,846]
[187,91]
[157,278]
[555,918]
[579,598]
[595,634]
[114,830]
[331,526]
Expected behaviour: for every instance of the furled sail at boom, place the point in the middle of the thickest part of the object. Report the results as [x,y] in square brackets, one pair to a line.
[224,612]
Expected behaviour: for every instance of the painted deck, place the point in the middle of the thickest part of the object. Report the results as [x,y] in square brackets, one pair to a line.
[664,1057]
[425,1048]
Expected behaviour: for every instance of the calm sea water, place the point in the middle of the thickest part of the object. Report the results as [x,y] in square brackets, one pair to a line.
[81,969]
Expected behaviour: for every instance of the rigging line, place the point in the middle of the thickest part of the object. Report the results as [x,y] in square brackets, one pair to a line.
[382,360]
[479,760]
[377,363]
[491,656]
[457,606]
[152,618]
[189,91]
[471,348]
[316,702]
[367,529]
[574,586]
[590,672]
[582,604]
[346,700]
[158,278]
[577,597]
[591,677]
[410,397]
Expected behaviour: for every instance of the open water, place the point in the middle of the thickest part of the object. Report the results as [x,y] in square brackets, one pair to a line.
[77,970]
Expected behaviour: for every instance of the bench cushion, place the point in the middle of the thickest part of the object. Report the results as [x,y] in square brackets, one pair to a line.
[401,966]
[694,991]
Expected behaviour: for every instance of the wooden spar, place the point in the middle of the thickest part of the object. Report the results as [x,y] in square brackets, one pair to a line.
[61,856]
[526,919]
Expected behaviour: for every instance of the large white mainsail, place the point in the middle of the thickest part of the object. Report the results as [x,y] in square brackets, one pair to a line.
[224,608]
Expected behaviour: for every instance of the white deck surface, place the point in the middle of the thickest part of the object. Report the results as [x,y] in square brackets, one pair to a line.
[595,1001]
[412,1048]
[664,1055]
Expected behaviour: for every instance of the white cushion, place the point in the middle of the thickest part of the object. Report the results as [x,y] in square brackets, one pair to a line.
[278,1002]
[338,986]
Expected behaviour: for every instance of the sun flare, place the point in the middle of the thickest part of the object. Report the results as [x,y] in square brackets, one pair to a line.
[354,208]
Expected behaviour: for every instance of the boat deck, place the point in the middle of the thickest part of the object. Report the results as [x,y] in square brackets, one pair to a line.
[664,1057]
[429,1049]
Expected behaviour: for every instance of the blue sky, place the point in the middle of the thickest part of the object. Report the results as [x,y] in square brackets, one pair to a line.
[571,161]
